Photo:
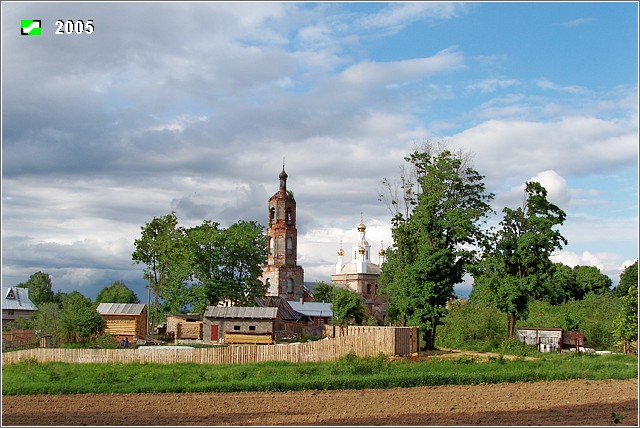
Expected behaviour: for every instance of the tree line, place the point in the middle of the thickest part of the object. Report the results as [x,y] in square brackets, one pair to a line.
[68,317]
[440,209]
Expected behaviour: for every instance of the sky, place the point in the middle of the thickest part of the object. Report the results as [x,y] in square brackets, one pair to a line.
[191,107]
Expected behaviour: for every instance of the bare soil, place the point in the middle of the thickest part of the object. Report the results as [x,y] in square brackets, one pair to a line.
[574,402]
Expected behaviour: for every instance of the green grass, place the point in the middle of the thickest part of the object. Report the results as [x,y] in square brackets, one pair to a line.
[347,373]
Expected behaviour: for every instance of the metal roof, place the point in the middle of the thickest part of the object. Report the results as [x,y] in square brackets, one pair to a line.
[312,309]
[285,311]
[253,312]
[17,298]
[120,308]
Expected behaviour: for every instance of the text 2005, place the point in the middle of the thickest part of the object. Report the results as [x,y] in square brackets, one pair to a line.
[74,27]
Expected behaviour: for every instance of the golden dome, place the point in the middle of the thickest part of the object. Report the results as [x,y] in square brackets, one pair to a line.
[361,250]
[381,252]
[341,252]
[361,227]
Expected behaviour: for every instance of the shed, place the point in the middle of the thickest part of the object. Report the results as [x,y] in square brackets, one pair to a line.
[545,339]
[239,324]
[16,304]
[177,322]
[125,320]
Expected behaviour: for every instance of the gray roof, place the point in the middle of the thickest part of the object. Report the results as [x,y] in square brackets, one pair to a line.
[285,311]
[252,312]
[312,309]
[120,308]
[17,298]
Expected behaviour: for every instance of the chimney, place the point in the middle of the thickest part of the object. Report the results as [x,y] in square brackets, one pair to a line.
[302,300]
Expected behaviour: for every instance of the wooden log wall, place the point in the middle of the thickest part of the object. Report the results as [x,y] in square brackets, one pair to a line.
[364,344]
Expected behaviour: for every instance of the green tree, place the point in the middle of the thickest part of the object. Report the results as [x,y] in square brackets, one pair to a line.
[516,265]
[347,307]
[628,277]
[78,319]
[436,221]
[39,285]
[472,325]
[162,250]
[118,292]
[323,292]
[226,263]
[625,326]
[589,279]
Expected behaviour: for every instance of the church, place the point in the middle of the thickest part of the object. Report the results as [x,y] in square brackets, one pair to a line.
[359,273]
[283,276]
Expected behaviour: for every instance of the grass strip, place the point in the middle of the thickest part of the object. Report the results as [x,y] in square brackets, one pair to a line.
[31,377]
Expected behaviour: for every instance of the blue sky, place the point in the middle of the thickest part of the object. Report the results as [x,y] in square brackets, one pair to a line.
[190,107]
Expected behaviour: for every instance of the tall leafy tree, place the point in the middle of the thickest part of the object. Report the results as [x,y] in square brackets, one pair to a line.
[437,221]
[516,266]
[589,279]
[118,292]
[226,263]
[39,285]
[244,253]
[628,277]
[161,248]
[625,326]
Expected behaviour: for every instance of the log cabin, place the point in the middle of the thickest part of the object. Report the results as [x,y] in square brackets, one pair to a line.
[125,320]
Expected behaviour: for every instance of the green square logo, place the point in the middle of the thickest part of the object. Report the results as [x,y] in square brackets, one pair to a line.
[30,27]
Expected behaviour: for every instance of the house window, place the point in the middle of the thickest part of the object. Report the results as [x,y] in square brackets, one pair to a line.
[236,328]
[10,312]
[320,322]
[252,328]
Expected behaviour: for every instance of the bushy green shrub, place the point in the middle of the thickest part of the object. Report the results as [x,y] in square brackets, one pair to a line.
[107,341]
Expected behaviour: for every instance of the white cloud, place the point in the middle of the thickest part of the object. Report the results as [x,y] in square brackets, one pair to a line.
[398,72]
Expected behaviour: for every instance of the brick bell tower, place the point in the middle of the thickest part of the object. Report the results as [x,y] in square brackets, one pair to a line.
[282,276]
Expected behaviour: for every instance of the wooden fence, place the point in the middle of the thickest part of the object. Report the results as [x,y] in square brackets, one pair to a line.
[18,339]
[406,339]
[363,344]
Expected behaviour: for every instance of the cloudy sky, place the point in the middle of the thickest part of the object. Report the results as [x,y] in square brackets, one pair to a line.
[191,107]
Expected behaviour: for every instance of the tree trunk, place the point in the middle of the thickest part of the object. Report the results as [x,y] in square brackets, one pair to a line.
[511,325]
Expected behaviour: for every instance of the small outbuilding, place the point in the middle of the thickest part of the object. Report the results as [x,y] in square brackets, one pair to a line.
[239,324]
[125,320]
[319,313]
[544,339]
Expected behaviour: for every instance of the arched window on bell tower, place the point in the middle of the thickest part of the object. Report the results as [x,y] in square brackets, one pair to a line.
[272,216]
[289,217]
[289,246]
[290,285]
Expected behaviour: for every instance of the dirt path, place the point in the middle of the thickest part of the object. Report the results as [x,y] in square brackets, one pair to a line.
[575,402]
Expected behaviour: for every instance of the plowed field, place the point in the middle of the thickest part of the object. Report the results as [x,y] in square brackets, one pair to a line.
[575,402]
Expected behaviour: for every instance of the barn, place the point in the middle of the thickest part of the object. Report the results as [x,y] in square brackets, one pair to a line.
[239,324]
[125,320]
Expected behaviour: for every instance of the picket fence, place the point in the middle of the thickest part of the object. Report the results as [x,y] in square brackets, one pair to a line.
[369,343]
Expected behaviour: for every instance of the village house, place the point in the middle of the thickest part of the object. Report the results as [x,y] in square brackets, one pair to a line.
[239,324]
[16,305]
